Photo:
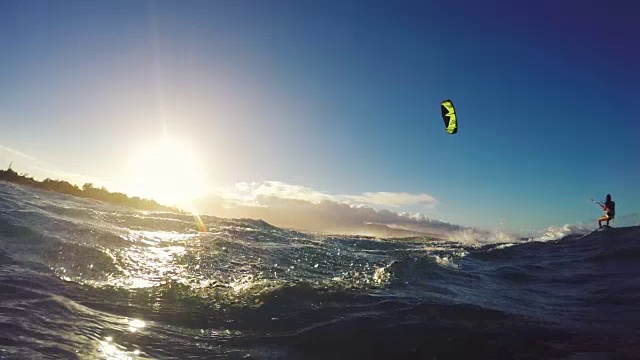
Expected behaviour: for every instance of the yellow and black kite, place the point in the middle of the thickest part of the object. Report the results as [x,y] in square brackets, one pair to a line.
[449,116]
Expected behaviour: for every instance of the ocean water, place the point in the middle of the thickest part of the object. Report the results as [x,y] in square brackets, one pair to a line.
[80,279]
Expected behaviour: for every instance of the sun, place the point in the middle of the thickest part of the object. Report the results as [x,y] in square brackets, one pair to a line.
[167,171]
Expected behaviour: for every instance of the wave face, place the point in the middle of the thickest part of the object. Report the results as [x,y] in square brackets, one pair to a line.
[82,279]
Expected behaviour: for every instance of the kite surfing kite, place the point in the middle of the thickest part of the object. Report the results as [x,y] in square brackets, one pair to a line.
[449,116]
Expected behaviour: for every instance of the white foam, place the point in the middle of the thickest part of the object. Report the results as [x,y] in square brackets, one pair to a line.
[558,232]
[445,261]
[478,238]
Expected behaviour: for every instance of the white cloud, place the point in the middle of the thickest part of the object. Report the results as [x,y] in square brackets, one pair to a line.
[246,193]
[287,191]
[392,199]
[301,207]
[16,152]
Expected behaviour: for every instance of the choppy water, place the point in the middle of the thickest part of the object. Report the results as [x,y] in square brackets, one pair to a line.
[83,279]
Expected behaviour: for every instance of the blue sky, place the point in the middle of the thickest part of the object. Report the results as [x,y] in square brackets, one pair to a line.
[341,97]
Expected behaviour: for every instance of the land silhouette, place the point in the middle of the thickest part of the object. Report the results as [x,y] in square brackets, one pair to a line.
[88,190]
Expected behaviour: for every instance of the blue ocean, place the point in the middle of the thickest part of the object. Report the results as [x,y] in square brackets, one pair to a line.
[82,279]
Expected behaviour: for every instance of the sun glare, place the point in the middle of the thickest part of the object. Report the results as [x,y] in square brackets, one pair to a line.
[166,171]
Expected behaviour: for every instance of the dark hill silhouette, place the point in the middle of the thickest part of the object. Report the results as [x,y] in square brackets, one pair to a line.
[87,191]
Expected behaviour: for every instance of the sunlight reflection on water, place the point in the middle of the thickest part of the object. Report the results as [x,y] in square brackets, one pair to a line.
[108,349]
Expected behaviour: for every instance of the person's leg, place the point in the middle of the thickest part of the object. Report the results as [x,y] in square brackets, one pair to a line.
[602,218]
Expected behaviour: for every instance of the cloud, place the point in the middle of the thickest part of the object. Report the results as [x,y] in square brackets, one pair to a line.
[303,208]
[247,193]
[394,199]
[16,152]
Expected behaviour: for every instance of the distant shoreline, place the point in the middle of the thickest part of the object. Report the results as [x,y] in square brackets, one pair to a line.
[87,191]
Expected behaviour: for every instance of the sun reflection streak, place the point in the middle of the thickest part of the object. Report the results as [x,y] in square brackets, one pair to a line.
[196,216]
